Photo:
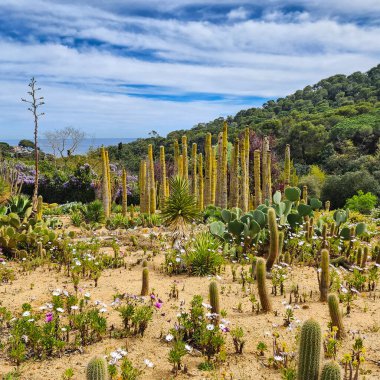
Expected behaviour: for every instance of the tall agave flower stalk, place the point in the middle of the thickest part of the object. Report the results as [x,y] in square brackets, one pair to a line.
[208,170]
[163,186]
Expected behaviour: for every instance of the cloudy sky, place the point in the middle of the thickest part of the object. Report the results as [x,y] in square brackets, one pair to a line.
[120,68]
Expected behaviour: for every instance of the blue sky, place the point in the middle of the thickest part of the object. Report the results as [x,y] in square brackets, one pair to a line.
[121,68]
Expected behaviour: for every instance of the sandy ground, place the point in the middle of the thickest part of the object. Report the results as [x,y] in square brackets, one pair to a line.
[365,318]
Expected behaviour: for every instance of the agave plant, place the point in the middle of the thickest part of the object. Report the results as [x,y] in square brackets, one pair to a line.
[180,208]
[20,205]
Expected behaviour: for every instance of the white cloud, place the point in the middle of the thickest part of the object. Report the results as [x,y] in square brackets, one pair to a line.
[237,14]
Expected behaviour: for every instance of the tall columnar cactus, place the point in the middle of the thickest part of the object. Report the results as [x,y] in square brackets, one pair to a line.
[287,167]
[324,236]
[39,208]
[97,369]
[273,239]
[214,297]
[194,170]
[247,150]
[218,185]
[109,180]
[280,242]
[331,371]
[208,170]
[244,195]
[185,158]
[304,194]
[327,206]
[266,304]
[257,175]
[163,186]
[41,252]
[269,176]
[223,194]
[324,279]
[180,166]
[145,282]
[234,176]
[201,183]
[144,196]
[336,315]
[176,157]
[152,183]
[365,257]
[359,256]
[264,164]
[124,192]
[105,187]
[309,351]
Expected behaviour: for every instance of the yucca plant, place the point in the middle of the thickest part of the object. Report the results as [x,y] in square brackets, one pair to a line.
[180,208]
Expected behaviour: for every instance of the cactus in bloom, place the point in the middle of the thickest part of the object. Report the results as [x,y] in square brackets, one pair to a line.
[145,282]
[185,159]
[257,175]
[273,239]
[266,304]
[287,167]
[214,297]
[97,369]
[331,371]
[194,173]
[309,351]
[163,186]
[365,257]
[336,315]
[39,208]
[208,170]
[324,280]
[124,192]
[201,183]
[151,181]
[105,187]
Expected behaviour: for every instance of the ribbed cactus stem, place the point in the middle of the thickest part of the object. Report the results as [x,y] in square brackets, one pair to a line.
[201,183]
[163,186]
[273,239]
[124,192]
[40,250]
[246,151]
[109,181]
[152,183]
[336,315]
[208,170]
[287,166]
[39,208]
[234,176]
[269,176]
[194,170]
[304,194]
[257,175]
[180,166]
[214,176]
[280,242]
[244,204]
[143,187]
[214,298]
[365,257]
[218,184]
[223,194]
[145,282]
[327,206]
[359,256]
[266,304]
[176,157]
[331,371]
[309,351]
[324,283]
[105,188]
[97,369]
[185,159]
[264,164]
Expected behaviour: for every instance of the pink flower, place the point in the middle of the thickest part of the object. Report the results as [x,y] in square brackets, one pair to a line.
[49,317]
[158,305]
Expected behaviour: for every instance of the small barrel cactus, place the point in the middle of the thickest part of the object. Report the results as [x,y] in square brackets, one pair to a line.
[97,369]
[214,298]
[266,304]
[331,371]
[324,282]
[336,315]
[273,239]
[310,351]
[145,282]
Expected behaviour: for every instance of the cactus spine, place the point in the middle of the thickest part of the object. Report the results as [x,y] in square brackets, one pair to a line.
[309,351]
[287,166]
[201,183]
[234,176]
[124,192]
[151,181]
[97,369]
[273,239]
[185,159]
[163,186]
[336,315]
[324,282]
[194,161]
[208,170]
[331,371]
[214,297]
[266,304]
[257,175]
[105,187]
[145,282]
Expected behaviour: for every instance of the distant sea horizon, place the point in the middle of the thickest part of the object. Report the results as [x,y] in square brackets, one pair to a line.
[83,148]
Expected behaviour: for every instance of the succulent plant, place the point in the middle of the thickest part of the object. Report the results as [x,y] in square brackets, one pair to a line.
[324,282]
[331,371]
[145,282]
[273,239]
[336,315]
[97,369]
[266,304]
[214,297]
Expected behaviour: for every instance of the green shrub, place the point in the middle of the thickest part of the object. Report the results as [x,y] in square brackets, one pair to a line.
[361,202]
[93,212]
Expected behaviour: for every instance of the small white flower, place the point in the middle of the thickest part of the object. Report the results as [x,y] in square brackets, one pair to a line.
[31,320]
[74,307]
[210,327]
[87,295]
[278,358]
[60,310]
[103,310]
[26,313]
[63,329]
[169,337]
[188,348]
[148,363]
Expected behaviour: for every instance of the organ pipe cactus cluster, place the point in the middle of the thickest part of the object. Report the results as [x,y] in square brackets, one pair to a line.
[309,351]
[97,369]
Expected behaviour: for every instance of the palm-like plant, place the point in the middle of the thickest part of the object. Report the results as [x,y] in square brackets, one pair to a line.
[180,208]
